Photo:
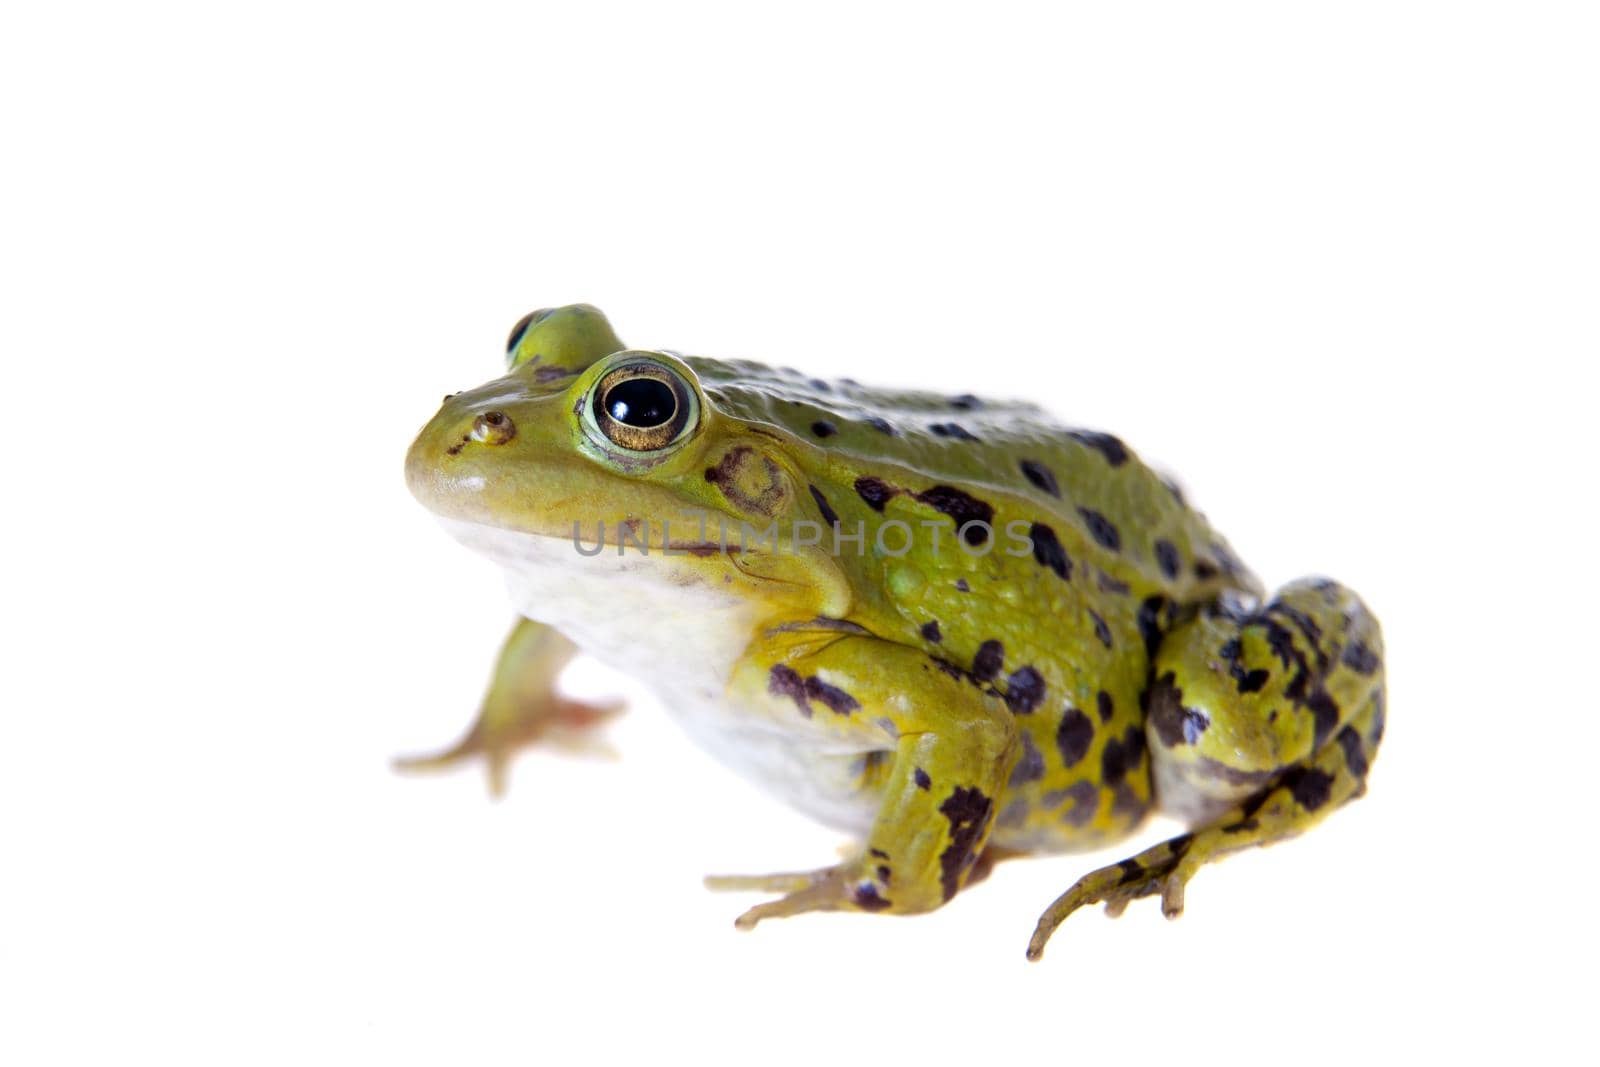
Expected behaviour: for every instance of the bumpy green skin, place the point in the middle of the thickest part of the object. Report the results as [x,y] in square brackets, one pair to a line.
[1039,685]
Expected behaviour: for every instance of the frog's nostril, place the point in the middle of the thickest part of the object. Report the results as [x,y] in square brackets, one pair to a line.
[493,428]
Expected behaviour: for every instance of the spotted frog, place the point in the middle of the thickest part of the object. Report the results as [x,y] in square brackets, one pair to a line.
[946,626]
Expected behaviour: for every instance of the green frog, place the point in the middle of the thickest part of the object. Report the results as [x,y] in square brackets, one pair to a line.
[947,626]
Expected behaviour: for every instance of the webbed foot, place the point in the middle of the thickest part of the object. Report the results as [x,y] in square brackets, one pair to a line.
[1155,870]
[562,724]
[522,708]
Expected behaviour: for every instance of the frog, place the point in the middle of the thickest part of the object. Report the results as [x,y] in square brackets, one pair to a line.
[949,627]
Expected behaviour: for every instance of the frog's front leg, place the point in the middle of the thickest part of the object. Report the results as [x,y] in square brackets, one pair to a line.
[940,743]
[522,708]
[1258,726]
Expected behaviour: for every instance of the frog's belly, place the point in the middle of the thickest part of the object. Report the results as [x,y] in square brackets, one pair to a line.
[648,618]
[824,784]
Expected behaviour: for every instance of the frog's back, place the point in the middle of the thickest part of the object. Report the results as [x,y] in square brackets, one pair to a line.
[1085,557]
[1123,517]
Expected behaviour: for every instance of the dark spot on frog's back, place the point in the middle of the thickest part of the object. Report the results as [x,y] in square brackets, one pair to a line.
[1167,558]
[922,779]
[1047,550]
[824,428]
[963,507]
[1102,529]
[952,430]
[1024,690]
[1150,622]
[875,491]
[1085,797]
[882,425]
[1121,755]
[1074,736]
[1101,630]
[930,632]
[1109,584]
[1114,450]
[1040,476]
[829,516]
[986,664]
[966,402]
[1030,765]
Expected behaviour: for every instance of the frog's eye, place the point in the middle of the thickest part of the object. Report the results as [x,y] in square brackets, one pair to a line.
[522,327]
[643,406]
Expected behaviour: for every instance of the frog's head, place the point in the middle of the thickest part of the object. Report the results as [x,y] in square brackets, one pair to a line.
[584,441]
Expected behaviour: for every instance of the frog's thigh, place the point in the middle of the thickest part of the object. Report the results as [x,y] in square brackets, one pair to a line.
[1235,702]
[1257,726]
[949,745]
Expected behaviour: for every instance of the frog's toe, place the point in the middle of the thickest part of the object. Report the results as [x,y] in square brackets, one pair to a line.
[1156,870]
[786,882]
[827,893]
[473,744]
[840,888]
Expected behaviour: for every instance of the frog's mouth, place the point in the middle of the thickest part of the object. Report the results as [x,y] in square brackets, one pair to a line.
[516,548]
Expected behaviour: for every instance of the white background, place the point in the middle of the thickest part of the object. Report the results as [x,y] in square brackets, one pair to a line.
[1335,265]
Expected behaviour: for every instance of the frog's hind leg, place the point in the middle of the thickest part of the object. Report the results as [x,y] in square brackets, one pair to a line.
[1258,726]
[522,708]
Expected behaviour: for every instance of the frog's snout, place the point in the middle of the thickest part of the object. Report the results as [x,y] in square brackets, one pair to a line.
[439,467]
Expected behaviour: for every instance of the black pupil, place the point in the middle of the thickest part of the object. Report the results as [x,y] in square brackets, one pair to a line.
[642,402]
